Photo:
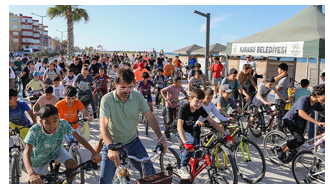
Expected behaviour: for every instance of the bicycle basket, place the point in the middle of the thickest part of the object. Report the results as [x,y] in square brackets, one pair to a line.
[164,177]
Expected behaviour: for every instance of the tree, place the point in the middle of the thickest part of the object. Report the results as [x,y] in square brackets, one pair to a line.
[90,49]
[100,47]
[72,14]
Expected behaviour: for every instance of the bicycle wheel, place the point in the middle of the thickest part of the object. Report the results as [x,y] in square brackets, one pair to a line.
[225,164]
[308,167]
[250,161]
[80,175]
[255,127]
[14,166]
[171,161]
[18,83]
[272,140]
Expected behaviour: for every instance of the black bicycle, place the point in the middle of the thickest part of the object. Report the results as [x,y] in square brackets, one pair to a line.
[55,178]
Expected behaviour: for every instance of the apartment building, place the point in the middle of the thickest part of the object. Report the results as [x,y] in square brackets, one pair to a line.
[26,32]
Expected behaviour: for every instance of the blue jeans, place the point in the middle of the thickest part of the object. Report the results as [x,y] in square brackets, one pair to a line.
[134,148]
[311,127]
[187,155]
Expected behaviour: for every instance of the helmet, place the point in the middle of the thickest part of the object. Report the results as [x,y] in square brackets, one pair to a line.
[36,74]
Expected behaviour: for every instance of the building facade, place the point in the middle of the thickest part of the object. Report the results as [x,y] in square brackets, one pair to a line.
[26,32]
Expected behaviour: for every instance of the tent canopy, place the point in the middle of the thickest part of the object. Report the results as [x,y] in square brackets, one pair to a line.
[188,49]
[302,35]
[214,49]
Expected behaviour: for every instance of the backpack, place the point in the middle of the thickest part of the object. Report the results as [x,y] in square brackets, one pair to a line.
[157,77]
[235,83]
[49,70]
[40,67]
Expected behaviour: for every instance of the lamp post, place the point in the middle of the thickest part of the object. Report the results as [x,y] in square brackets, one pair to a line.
[207,43]
[42,30]
[61,38]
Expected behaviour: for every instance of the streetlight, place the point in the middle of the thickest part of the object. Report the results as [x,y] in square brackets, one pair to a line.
[42,32]
[207,43]
[61,38]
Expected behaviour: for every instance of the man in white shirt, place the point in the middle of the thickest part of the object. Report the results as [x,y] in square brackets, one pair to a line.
[12,75]
[252,63]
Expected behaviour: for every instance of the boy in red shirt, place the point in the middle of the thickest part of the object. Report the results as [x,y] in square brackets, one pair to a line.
[216,68]
[103,78]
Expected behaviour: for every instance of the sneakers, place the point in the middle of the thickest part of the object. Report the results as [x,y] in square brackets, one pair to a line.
[57,167]
[95,115]
[290,155]
[280,154]
[183,173]
[216,96]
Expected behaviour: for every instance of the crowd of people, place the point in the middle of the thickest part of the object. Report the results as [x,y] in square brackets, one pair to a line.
[127,86]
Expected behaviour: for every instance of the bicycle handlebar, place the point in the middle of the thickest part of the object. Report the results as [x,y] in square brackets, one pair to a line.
[80,120]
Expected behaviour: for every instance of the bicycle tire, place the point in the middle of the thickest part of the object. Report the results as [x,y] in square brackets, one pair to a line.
[18,84]
[78,159]
[255,127]
[14,166]
[225,165]
[302,161]
[171,161]
[271,140]
[257,165]
[164,116]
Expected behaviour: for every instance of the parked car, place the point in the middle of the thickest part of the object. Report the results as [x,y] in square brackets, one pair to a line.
[27,51]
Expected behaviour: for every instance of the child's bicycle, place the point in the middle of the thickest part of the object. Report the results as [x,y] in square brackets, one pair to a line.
[16,148]
[122,175]
[249,158]
[275,140]
[54,178]
[226,174]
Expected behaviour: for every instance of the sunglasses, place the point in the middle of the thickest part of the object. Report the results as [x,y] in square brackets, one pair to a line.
[248,57]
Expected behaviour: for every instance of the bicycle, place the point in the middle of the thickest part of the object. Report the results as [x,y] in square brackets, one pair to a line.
[16,149]
[249,159]
[98,97]
[277,139]
[18,83]
[123,175]
[71,145]
[53,178]
[259,126]
[144,120]
[227,174]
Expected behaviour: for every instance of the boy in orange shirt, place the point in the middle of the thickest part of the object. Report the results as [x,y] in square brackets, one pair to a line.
[169,68]
[138,73]
[68,109]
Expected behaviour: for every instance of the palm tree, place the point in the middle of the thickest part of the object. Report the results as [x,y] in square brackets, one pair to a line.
[72,14]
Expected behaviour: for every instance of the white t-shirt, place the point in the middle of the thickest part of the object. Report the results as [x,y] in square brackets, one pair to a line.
[58,68]
[211,108]
[58,91]
[12,73]
[68,81]
[40,69]
[253,64]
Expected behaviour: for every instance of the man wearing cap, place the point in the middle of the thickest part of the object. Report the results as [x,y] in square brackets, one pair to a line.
[224,101]
[76,66]
[138,72]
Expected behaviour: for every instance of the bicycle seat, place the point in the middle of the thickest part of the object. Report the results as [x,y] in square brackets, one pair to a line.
[169,130]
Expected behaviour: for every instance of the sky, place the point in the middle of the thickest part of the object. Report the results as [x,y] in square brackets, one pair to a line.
[167,27]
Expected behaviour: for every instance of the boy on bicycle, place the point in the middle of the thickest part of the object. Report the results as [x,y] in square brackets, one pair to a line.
[44,144]
[187,116]
[160,80]
[35,83]
[103,78]
[70,78]
[260,99]
[196,81]
[17,112]
[47,98]
[144,87]
[172,92]
[58,88]
[295,120]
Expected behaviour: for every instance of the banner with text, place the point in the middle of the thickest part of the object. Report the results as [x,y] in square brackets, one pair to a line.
[276,49]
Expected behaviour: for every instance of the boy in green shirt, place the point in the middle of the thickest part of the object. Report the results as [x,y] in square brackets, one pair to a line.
[44,144]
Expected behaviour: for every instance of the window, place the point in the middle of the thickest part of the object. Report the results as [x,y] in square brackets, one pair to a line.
[14,20]
[15,26]
[16,40]
[15,33]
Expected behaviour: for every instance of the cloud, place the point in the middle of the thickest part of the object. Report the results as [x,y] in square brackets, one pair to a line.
[214,22]
[229,38]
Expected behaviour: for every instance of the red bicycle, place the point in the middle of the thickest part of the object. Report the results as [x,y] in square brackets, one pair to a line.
[227,174]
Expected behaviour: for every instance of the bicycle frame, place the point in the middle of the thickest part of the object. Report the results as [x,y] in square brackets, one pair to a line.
[193,162]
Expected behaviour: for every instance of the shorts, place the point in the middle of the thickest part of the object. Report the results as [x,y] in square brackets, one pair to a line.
[149,99]
[63,156]
[256,109]
[216,81]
